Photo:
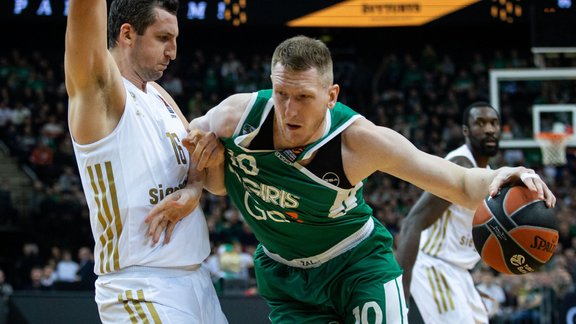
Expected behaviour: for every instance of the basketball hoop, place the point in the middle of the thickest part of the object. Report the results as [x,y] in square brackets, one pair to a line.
[553,147]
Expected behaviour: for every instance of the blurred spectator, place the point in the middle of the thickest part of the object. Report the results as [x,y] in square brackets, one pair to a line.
[570,255]
[8,216]
[35,198]
[514,157]
[20,113]
[447,66]
[235,269]
[6,291]
[42,160]
[55,255]
[529,302]
[212,264]
[196,105]
[492,294]
[29,259]
[64,153]
[35,283]
[234,262]
[48,276]
[67,268]
[68,179]
[53,129]
[85,274]
[27,141]
[173,83]
[5,114]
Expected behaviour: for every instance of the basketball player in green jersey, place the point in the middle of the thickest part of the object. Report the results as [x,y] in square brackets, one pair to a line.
[295,163]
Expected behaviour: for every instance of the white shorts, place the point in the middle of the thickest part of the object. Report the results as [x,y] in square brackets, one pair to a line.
[445,293]
[158,295]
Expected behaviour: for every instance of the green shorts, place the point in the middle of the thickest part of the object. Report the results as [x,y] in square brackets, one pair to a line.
[358,286]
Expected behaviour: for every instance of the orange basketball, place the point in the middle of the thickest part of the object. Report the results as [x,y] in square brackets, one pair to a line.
[514,232]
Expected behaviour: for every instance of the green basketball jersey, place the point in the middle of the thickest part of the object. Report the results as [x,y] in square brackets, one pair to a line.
[292,212]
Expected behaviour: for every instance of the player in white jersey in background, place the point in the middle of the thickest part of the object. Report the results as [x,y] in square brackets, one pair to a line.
[126,134]
[437,263]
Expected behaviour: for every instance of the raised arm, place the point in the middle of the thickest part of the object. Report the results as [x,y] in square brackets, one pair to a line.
[93,80]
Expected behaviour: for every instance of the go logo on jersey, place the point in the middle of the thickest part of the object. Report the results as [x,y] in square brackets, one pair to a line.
[258,194]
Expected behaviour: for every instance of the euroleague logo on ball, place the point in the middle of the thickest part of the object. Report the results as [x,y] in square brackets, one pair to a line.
[517,260]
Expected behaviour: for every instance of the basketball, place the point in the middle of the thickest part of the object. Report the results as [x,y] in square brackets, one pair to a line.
[514,232]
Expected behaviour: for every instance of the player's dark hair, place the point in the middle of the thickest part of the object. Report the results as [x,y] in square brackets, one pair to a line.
[477,104]
[138,13]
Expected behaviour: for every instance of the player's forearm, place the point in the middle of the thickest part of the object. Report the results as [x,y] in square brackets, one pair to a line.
[408,243]
[214,181]
[211,179]
[195,180]
[476,185]
[409,239]
[407,250]
[425,212]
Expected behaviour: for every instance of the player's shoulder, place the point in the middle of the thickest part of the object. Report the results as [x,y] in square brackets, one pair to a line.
[235,105]
[225,116]
[238,101]
[364,130]
[462,156]
[366,139]
[462,161]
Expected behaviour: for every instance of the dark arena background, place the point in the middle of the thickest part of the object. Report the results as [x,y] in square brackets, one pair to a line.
[409,65]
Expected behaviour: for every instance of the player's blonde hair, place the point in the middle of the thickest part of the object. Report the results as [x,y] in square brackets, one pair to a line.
[301,53]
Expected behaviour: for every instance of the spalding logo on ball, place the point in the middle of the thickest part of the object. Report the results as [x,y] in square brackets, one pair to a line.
[514,232]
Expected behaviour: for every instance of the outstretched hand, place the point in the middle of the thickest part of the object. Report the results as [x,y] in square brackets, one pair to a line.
[526,176]
[205,149]
[168,212]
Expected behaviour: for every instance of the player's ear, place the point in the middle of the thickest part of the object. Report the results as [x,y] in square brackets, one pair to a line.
[465,131]
[333,95]
[125,34]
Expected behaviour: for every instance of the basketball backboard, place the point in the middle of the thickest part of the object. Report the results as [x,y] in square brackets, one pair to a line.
[565,113]
[554,119]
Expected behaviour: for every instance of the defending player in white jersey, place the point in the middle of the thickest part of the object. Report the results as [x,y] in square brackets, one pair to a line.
[437,263]
[127,134]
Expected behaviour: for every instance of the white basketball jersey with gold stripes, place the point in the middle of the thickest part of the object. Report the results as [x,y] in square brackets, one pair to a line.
[450,237]
[126,173]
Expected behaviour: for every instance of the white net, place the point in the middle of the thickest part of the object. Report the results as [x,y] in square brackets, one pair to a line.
[553,148]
